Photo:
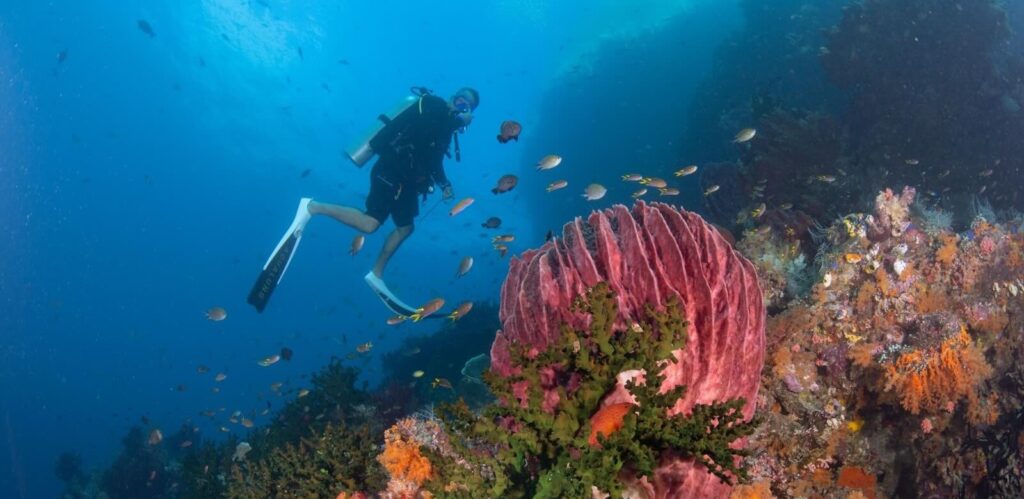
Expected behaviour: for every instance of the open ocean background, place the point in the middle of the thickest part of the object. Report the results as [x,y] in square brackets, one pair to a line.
[145,179]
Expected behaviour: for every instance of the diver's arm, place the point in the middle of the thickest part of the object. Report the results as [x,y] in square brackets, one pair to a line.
[438,174]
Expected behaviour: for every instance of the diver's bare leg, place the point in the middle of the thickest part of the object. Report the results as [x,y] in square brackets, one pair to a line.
[394,240]
[349,216]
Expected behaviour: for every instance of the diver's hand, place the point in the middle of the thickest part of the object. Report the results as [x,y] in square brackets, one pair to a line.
[447,193]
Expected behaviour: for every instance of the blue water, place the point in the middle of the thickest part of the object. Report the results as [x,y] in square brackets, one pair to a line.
[145,179]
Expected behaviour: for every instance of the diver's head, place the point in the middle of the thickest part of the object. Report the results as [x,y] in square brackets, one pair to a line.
[466,100]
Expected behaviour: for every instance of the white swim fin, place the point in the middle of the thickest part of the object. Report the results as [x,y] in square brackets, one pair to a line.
[390,300]
[279,260]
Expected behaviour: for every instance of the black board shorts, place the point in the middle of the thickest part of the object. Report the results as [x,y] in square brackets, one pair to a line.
[390,197]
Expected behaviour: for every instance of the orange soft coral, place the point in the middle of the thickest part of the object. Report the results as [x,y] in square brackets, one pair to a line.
[931,299]
[607,420]
[403,460]
[947,252]
[854,477]
[928,380]
[757,490]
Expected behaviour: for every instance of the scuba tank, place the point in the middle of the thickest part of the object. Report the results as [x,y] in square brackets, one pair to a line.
[362,152]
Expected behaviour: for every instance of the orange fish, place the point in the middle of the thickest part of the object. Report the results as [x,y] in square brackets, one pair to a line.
[396,319]
[461,205]
[657,183]
[558,184]
[510,130]
[607,420]
[505,183]
[464,266]
[427,309]
[463,309]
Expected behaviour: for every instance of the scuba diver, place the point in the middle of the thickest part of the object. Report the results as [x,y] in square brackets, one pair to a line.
[411,144]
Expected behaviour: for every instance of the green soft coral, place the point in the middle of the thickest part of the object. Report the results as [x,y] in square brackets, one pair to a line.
[337,459]
[547,455]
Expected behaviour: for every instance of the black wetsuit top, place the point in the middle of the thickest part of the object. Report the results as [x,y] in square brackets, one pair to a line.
[411,151]
[413,145]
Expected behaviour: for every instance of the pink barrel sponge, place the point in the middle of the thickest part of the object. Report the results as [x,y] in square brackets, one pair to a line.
[647,254]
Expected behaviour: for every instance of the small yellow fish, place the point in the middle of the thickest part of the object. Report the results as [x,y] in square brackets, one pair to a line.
[269,361]
[461,205]
[687,171]
[396,319]
[357,244]
[502,250]
[246,422]
[548,162]
[632,177]
[669,191]
[711,190]
[364,347]
[853,257]
[558,184]
[303,392]
[464,266]
[639,193]
[461,311]
[655,182]
[418,373]
[504,238]
[744,135]
[428,308]
[443,383]
[593,192]
[758,211]
[216,314]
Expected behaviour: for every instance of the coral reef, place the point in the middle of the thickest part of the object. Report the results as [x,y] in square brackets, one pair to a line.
[406,465]
[648,257]
[614,426]
[338,459]
[139,471]
[881,380]
[439,355]
[318,444]
[780,261]
[331,397]
[68,469]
